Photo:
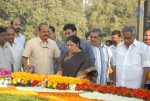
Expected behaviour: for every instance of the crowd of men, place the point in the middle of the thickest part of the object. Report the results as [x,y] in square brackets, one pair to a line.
[125,62]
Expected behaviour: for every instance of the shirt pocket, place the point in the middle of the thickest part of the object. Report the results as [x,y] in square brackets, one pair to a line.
[136,58]
[50,53]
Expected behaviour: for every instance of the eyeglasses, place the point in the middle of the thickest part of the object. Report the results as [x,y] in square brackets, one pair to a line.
[42,45]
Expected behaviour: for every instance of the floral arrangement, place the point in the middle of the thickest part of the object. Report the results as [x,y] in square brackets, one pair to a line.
[63,83]
[51,96]
[4,72]
[27,79]
[50,81]
[121,91]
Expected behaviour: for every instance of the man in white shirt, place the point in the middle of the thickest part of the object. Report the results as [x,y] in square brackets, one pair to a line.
[16,49]
[116,38]
[102,55]
[19,38]
[6,57]
[147,42]
[132,61]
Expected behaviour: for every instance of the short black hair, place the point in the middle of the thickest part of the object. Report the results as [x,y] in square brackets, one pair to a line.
[75,40]
[11,22]
[39,27]
[70,26]
[110,41]
[116,32]
[100,34]
[2,29]
[147,29]
[87,34]
[52,28]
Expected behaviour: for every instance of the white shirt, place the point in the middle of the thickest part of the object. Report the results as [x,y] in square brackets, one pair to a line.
[17,51]
[6,57]
[130,63]
[113,50]
[20,39]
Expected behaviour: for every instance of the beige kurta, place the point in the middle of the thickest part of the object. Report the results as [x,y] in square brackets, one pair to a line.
[41,54]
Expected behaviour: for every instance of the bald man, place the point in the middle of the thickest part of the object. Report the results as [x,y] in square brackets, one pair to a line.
[19,38]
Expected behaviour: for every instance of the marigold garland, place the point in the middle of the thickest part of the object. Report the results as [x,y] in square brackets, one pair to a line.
[48,95]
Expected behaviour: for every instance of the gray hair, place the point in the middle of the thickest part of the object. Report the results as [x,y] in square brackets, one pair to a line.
[129,28]
[98,31]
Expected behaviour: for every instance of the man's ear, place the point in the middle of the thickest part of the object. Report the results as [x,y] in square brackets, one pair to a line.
[75,32]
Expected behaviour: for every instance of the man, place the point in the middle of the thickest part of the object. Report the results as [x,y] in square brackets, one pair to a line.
[6,57]
[16,49]
[131,64]
[60,44]
[147,41]
[19,38]
[116,38]
[69,30]
[41,50]
[102,55]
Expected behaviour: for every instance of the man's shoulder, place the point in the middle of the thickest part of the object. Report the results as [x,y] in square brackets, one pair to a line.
[33,40]
[21,35]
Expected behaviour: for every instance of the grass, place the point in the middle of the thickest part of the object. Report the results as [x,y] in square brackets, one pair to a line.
[9,97]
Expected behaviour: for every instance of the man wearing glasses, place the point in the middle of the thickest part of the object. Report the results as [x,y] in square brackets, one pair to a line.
[132,61]
[41,51]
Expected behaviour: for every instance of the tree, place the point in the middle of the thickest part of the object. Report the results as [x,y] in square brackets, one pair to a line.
[33,12]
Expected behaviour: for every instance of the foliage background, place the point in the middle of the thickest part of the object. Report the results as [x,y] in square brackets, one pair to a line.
[107,15]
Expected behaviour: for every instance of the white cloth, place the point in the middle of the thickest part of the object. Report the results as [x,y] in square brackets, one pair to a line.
[148,82]
[6,57]
[113,51]
[129,64]
[17,51]
[20,39]
[102,55]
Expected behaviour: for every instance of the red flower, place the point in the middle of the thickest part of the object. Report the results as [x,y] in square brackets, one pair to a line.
[34,83]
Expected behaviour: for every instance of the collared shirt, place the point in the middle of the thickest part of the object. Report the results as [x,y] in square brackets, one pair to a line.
[130,63]
[63,49]
[6,57]
[20,39]
[17,50]
[102,55]
[113,50]
[62,46]
[41,54]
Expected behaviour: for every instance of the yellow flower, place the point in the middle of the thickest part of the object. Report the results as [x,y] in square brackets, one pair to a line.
[24,81]
[15,81]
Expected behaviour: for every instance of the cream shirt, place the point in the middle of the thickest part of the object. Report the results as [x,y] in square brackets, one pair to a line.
[129,64]
[6,57]
[41,54]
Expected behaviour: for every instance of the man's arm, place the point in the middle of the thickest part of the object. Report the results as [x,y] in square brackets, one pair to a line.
[114,76]
[145,76]
[12,68]
[25,65]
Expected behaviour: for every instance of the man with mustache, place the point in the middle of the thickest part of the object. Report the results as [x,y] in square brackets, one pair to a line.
[19,38]
[102,55]
[41,51]
[147,41]
[15,47]
[6,57]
